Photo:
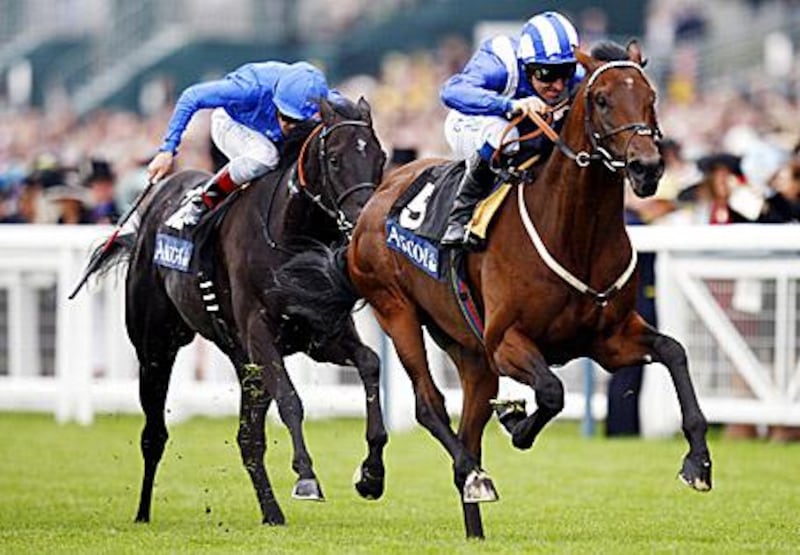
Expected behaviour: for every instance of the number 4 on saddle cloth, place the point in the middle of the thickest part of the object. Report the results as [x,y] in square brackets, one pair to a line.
[417,222]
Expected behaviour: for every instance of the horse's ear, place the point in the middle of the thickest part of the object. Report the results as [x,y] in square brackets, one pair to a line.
[326,111]
[635,53]
[364,109]
[586,61]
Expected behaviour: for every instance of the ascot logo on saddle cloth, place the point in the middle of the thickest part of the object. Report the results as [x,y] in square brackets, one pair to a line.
[418,218]
[173,252]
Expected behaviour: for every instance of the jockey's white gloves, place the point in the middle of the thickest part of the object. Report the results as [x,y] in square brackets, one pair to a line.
[529,104]
[160,166]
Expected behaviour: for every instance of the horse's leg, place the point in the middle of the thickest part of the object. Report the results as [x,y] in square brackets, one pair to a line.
[348,349]
[157,332]
[479,386]
[404,327]
[252,439]
[636,342]
[518,357]
[264,355]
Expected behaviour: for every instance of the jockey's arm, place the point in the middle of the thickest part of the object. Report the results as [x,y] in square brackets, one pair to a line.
[477,89]
[211,94]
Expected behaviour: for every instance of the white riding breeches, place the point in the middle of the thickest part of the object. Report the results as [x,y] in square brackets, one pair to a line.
[251,153]
[467,134]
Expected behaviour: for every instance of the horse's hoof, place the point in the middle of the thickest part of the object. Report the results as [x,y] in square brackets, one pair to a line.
[307,489]
[478,488]
[276,519]
[696,474]
[368,485]
[521,437]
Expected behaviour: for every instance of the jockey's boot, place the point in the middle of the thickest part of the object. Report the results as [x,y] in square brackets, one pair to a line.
[477,180]
[198,202]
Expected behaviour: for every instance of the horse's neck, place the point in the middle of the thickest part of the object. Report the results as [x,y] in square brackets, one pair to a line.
[293,214]
[577,211]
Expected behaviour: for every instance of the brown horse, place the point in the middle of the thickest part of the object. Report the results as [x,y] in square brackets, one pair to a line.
[556,281]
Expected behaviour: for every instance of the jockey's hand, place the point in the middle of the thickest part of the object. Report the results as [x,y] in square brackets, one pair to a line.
[160,166]
[527,105]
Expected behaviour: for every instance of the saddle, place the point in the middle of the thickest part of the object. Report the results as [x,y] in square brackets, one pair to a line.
[418,218]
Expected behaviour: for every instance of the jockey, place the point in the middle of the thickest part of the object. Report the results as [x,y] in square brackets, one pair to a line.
[503,78]
[256,106]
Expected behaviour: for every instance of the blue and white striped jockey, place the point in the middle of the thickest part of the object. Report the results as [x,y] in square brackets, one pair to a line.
[255,106]
[507,74]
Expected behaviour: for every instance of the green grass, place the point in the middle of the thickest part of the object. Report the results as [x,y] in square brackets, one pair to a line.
[73,489]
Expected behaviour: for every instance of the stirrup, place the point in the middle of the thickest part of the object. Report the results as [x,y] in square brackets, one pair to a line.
[455,241]
[506,407]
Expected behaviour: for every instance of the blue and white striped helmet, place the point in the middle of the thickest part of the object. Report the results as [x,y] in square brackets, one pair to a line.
[548,38]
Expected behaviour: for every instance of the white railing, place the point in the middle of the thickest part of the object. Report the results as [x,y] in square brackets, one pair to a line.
[729,293]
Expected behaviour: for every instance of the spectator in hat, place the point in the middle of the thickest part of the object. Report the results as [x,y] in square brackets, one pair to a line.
[31,205]
[71,201]
[99,179]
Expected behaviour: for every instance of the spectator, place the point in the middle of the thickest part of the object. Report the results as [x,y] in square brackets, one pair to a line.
[71,201]
[96,175]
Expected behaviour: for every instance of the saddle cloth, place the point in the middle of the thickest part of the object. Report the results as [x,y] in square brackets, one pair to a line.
[418,218]
[189,249]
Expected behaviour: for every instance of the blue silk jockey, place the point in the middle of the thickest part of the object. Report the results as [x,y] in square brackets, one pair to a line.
[255,107]
[507,75]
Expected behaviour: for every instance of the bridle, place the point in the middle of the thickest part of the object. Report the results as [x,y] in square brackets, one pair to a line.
[583,159]
[595,139]
[598,152]
[333,208]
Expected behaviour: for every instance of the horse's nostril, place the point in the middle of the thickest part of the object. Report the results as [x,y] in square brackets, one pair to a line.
[645,169]
[636,167]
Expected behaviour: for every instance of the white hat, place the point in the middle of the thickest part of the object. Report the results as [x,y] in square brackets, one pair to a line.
[761,162]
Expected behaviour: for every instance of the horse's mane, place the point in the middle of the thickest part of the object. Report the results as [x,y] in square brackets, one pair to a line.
[609,51]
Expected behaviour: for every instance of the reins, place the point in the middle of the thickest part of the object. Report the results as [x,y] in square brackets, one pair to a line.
[598,153]
[583,159]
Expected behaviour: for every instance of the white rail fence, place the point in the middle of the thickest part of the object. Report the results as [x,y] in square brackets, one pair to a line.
[729,293]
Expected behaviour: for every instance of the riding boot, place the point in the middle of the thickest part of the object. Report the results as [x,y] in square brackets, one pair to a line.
[198,202]
[477,180]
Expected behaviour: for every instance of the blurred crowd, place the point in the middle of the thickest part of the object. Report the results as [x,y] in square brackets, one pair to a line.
[730,153]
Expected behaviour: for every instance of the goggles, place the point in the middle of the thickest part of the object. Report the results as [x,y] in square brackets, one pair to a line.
[288,120]
[547,73]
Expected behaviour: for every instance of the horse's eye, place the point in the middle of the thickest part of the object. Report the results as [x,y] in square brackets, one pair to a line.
[601,101]
[334,162]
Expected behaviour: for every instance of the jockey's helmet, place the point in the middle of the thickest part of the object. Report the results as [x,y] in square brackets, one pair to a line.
[548,38]
[299,89]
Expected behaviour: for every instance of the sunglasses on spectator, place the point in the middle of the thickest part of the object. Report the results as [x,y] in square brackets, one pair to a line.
[552,73]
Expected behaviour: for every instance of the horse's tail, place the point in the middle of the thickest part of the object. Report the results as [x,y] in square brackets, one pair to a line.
[315,287]
[110,254]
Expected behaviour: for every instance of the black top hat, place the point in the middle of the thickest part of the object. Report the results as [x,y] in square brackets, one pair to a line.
[96,169]
[721,160]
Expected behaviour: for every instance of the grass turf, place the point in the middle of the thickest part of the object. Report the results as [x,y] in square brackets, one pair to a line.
[73,489]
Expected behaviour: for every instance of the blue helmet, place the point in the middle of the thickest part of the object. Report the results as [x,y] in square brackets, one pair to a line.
[298,91]
[548,38]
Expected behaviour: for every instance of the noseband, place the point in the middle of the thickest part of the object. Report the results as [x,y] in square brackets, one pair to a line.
[334,211]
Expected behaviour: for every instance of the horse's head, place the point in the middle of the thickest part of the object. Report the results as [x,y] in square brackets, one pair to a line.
[620,117]
[342,161]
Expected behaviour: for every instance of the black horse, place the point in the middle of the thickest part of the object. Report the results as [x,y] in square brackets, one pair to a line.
[316,198]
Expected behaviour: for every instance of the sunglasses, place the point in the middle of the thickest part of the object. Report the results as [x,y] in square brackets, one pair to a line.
[552,73]
[288,120]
